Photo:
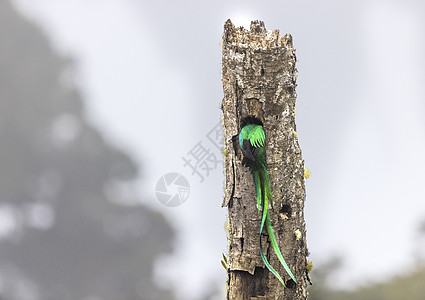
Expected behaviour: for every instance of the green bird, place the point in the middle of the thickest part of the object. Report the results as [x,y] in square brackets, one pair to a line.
[251,141]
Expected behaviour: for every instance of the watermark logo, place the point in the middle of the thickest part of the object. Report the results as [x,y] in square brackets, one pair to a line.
[172,189]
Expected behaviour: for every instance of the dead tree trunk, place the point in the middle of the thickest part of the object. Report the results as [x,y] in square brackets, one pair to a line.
[259,79]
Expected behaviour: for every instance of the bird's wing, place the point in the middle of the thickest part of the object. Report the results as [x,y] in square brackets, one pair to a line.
[249,151]
[257,137]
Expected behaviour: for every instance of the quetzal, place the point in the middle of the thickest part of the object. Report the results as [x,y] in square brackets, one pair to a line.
[251,141]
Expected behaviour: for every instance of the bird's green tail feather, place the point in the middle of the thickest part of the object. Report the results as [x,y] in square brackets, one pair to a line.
[257,182]
[262,184]
[276,248]
[268,195]
[264,209]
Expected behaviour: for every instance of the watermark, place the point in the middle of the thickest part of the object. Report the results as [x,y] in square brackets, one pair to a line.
[172,189]
[202,159]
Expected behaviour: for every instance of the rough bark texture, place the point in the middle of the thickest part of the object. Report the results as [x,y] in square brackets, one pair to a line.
[259,79]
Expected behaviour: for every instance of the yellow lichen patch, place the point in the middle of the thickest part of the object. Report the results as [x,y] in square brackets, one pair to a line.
[309,266]
[298,234]
[224,151]
[227,226]
[295,134]
[306,173]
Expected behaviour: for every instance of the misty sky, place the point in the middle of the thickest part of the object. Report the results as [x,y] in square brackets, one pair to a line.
[150,74]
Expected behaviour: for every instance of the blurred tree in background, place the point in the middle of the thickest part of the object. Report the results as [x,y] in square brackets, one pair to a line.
[408,285]
[66,231]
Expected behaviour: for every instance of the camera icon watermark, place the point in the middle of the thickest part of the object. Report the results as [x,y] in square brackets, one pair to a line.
[172,189]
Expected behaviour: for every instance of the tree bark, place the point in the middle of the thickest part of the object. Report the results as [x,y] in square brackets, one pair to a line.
[259,79]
